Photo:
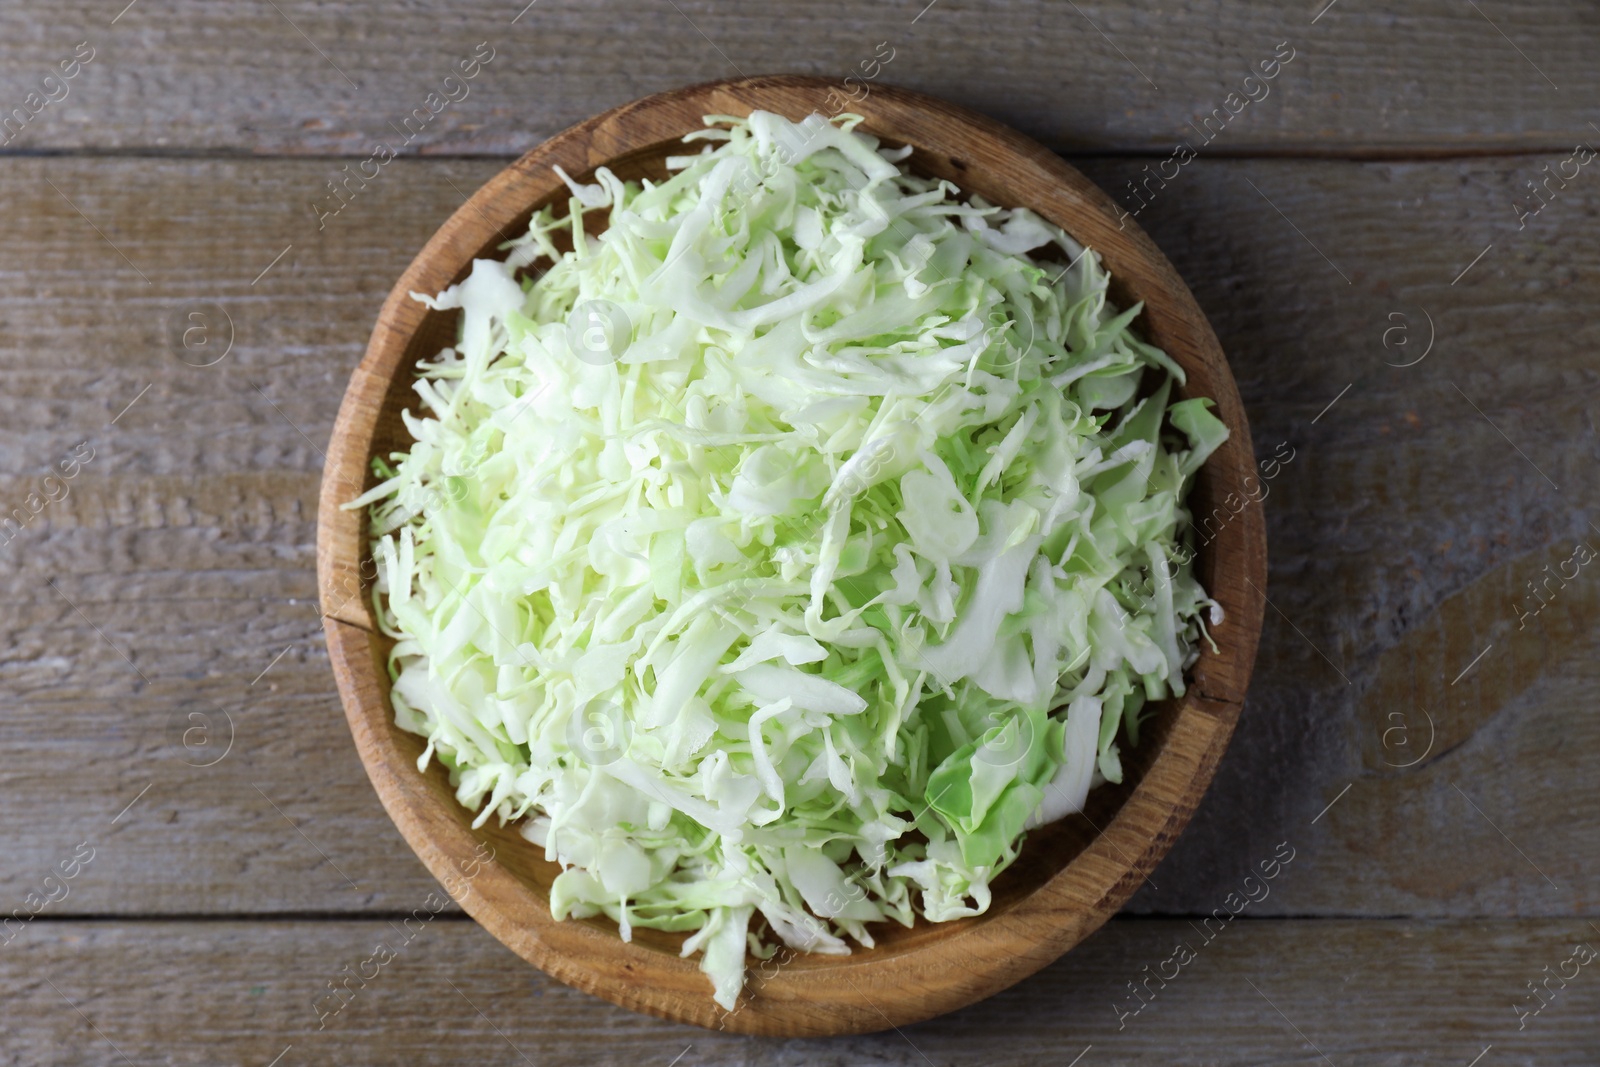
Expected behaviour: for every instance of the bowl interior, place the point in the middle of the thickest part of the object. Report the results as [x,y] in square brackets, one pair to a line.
[1047,849]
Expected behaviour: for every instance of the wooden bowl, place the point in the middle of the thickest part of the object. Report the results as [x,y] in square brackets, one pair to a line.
[1071,875]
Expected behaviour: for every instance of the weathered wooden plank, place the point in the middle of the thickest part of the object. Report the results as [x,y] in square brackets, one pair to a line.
[187,540]
[1349,993]
[1403,530]
[333,78]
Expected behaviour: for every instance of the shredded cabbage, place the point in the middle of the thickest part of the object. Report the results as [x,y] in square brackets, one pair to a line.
[787,549]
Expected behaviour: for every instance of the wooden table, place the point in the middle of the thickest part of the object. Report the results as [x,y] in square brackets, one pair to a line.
[1421,730]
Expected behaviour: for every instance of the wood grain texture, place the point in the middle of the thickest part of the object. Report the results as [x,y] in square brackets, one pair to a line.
[1400,531]
[328,78]
[1075,873]
[1363,993]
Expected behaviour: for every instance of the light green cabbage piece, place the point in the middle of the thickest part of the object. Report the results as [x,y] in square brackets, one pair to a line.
[785,550]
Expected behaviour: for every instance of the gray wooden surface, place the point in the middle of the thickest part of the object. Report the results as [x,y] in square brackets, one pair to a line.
[1392,992]
[163,608]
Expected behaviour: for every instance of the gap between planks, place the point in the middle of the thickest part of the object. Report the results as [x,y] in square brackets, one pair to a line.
[1303,153]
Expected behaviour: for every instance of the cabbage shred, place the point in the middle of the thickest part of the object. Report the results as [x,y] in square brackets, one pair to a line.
[787,549]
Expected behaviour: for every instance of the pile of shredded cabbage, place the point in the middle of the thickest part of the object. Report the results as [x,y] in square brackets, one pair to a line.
[788,548]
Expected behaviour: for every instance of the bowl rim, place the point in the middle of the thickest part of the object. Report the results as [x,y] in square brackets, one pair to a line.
[869,990]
